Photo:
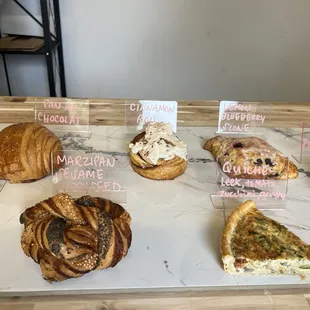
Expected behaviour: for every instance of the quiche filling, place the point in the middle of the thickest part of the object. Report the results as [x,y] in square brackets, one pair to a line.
[260,245]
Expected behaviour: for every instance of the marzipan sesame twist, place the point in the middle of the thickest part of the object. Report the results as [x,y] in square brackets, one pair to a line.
[69,238]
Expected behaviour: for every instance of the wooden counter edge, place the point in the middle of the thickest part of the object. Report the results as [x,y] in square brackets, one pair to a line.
[164,293]
[262,301]
[190,112]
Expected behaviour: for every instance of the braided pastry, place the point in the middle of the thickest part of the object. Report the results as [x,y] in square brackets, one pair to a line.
[69,238]
[25,152]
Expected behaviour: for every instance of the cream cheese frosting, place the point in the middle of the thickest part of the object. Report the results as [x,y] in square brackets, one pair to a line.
[159,142]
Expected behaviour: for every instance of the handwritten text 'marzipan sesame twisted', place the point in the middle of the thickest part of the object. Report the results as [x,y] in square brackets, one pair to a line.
[80,177]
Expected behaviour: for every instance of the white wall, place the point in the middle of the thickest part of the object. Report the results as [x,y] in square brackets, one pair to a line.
[172,49]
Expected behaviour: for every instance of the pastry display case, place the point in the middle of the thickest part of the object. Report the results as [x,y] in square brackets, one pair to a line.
[129,199]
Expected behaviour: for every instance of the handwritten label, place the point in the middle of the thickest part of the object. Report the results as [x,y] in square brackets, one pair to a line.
[58,119]
[261,195]
[229,168]
[85,161]
[59,113]
[140,113]
[86,179]
[46,118]
[260,187]
[236,117]
[48,104]
[86,172]
[63,115]
[302,154]
[306,144]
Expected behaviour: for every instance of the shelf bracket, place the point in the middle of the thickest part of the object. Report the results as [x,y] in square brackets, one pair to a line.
[59,49]
[48,47]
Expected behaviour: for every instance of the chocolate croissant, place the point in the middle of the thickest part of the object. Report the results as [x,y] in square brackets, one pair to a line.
[25,152]
[71,237]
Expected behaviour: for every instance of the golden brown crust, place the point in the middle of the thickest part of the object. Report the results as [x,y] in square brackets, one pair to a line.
[252,153]
[231,224]
[164,170]
[25,152]
[256,244]
[69,238]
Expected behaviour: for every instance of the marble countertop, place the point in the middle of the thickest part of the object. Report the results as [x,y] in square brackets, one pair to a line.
[176,229]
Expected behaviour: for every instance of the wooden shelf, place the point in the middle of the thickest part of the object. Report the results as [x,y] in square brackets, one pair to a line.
[23,45]
[190,113]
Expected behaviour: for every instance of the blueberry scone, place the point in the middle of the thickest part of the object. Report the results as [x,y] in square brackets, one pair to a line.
[250,158]
[252,243]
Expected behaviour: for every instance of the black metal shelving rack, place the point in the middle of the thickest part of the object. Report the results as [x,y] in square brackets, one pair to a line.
[51,43]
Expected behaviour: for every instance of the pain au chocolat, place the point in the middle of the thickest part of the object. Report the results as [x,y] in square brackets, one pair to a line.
[71,237]
[250,158]
[157,153]
[25,152]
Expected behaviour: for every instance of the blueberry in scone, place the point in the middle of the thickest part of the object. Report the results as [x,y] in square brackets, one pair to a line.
[250,158]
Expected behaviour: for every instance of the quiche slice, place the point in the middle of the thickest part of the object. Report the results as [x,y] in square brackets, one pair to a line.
[255,244]
[250,158]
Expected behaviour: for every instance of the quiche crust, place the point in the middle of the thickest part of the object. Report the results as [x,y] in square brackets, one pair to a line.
[252,243]
[231,225]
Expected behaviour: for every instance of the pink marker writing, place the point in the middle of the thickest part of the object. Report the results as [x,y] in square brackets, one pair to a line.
[152,107]
[230,127]
[305,144]
[145,120]
[52,104]
[229,168]
[97,186]
[86,161]
[231,182]
[237,107]
[243,117]
[58,119]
